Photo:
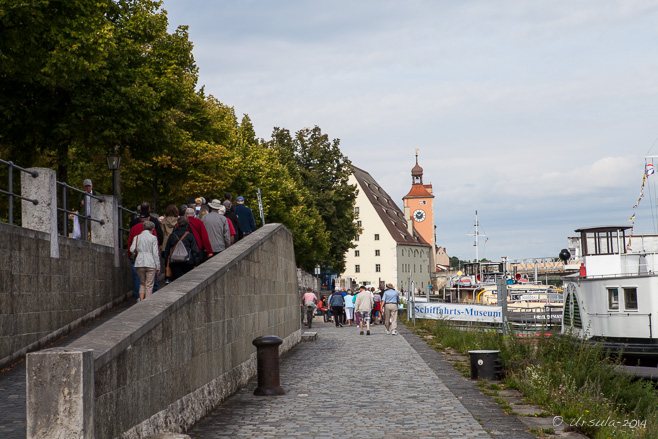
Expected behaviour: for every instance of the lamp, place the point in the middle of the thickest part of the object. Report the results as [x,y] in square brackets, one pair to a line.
[113,162]
[114,165]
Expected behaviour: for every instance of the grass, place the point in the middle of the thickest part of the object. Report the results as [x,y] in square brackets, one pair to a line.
[566,377]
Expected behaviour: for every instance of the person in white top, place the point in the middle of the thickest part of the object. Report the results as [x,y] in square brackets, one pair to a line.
[349,307]
[147,261]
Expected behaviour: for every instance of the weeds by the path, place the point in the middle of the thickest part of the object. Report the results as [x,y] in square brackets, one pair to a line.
[572,379]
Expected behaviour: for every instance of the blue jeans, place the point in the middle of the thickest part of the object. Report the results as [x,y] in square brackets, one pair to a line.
[136,281]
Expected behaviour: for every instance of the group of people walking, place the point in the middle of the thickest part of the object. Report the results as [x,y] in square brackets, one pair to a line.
[363,308]
[183,238]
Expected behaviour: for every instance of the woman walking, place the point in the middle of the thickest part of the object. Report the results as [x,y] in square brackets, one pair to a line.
[190,252]
[147,261]
[349,307]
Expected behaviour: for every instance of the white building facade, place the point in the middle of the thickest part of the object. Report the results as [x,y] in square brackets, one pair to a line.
[389,250]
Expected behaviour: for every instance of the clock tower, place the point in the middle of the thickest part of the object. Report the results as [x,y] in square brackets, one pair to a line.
[419,206]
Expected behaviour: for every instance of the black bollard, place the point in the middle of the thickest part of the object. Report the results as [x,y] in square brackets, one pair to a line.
[267,360]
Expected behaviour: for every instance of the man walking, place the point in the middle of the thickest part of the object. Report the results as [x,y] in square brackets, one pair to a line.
[337,302]
[217,227]
[245,216]
[309,302]
[390,301]
[363,307]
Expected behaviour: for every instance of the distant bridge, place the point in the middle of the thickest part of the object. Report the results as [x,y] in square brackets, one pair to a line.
[547,266]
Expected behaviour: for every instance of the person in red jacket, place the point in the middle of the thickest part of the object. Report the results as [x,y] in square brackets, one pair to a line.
[198,229]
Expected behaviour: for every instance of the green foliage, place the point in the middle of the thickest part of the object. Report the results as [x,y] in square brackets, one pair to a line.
[80,79]
[572,378]
[318,164]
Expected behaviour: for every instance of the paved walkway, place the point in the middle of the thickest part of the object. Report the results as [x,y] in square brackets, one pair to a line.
[342,385]
[349,385]
[12,381]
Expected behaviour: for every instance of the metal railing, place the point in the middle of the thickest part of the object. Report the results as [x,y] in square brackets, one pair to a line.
[122,229]
[10,191]
[62,208]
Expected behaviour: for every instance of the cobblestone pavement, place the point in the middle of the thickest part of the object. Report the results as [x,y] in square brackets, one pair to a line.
[348,385]
[12,381]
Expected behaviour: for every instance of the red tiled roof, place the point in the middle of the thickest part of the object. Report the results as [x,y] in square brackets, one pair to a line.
[418,191]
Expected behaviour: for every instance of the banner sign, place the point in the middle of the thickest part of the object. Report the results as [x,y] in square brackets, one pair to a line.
[459,311]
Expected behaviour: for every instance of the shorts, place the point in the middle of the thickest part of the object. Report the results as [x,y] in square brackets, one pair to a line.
[349,312]
[364,316]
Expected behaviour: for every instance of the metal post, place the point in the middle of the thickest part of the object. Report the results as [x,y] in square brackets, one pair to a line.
[267,359]
[260,206]
[501,290]
[65,215]
[11,192]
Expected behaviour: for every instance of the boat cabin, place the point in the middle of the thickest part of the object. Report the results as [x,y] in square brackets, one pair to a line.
[607,251]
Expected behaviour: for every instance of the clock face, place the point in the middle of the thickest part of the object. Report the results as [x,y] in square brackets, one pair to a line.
[419,215]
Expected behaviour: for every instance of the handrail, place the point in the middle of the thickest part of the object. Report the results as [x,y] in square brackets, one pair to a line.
[122,229]
[66,212]
[10,192]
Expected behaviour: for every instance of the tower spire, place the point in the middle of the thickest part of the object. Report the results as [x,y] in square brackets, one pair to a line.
[417,172]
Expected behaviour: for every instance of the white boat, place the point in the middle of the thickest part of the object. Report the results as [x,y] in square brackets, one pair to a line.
[614,298]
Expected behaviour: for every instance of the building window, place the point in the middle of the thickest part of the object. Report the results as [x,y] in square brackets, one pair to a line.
[376,252]
[356,209]
[376,236]
[356,253]
[613,298]
[420,268]
[358,223]
[402,252]
[630,298]
[357,269]
[378,268]
[356,238]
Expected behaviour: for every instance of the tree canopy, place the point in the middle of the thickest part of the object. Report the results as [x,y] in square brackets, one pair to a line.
[81,79]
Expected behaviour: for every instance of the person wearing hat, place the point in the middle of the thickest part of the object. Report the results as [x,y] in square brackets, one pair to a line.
[390,301]
[245,216]
[363,306]
[146,207]
[85,203]
[219,233]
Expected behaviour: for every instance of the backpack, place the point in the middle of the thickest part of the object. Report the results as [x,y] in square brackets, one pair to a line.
[180,253]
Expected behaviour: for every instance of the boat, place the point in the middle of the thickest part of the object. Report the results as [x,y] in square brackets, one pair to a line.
[613,299]
[529,304]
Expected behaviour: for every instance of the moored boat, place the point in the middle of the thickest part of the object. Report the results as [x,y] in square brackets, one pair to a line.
[614,297]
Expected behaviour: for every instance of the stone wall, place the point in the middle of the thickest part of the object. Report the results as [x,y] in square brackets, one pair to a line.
[307,280]
[43,298]
[168,361]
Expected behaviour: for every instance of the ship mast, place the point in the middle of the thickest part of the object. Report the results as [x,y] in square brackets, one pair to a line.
[477,238]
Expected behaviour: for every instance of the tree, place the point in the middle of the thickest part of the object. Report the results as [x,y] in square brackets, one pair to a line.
[318,164]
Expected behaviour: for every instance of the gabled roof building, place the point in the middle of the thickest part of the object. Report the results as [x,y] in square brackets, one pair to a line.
[389,248]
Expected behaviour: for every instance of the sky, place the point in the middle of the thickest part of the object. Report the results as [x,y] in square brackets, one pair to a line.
[537,114]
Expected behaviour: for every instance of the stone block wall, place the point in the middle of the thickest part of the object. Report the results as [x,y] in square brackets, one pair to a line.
[165,363]
[43,298]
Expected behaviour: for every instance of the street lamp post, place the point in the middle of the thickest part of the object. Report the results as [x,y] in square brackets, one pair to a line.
[114,165]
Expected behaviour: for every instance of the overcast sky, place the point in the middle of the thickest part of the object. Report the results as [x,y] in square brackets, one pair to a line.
[538,114]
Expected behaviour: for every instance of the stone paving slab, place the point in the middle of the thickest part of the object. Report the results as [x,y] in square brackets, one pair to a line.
[348,385]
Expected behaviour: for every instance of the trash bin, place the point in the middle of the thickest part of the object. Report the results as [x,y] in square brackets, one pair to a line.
[485,365]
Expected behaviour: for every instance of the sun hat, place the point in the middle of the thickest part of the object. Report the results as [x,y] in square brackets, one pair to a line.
[215,204]
[87,182]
